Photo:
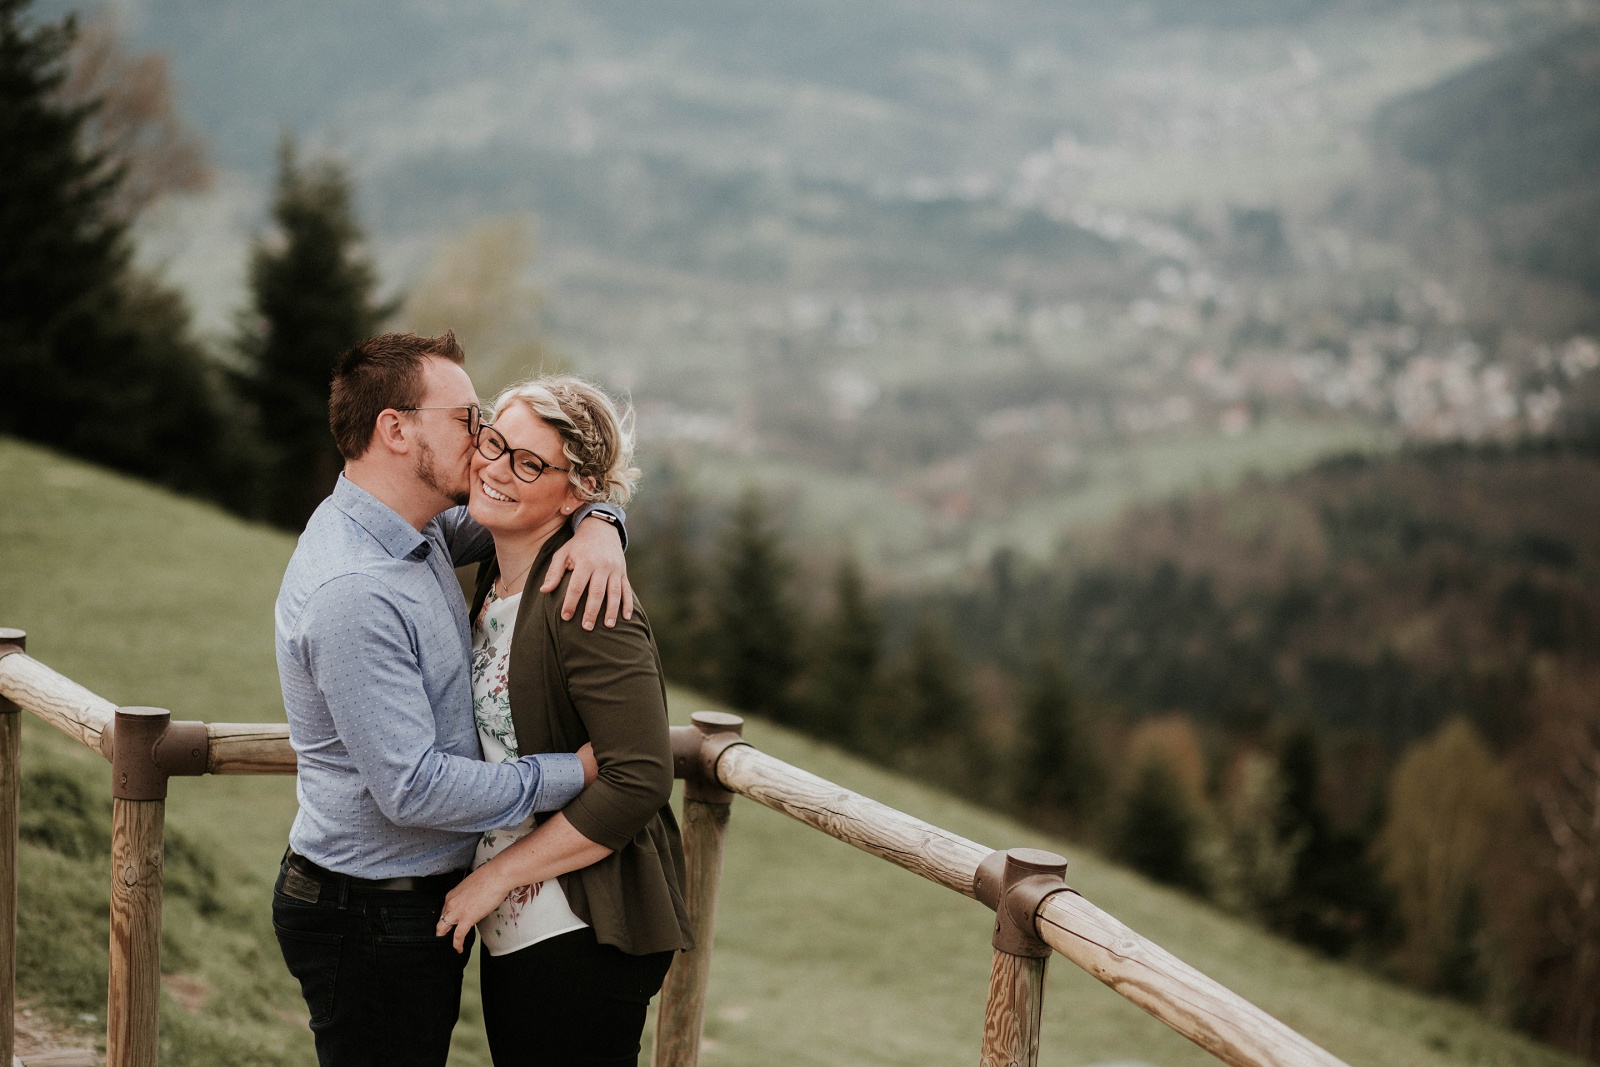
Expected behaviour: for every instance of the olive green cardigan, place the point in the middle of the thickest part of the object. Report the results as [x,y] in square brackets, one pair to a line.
[567,686]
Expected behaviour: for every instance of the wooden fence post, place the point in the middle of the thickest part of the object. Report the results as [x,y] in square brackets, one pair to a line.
[138,825]
[10,812]
[1015,884]
[706,804]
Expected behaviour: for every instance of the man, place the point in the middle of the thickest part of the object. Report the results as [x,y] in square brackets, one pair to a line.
[372,643]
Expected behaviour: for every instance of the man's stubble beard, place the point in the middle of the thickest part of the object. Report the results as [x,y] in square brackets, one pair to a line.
[428,474]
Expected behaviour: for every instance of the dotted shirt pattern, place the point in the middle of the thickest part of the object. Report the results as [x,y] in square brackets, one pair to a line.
[372,645]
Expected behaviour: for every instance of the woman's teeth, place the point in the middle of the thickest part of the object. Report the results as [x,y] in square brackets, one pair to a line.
[489,492]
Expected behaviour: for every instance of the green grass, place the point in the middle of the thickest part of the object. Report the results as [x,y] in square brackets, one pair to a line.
[824,955]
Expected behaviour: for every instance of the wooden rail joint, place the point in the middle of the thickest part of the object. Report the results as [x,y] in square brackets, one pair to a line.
[147,748]
[11,641]
[696,749]
[1016,883]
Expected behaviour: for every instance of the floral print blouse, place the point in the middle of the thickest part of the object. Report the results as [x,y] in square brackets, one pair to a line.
[531,913]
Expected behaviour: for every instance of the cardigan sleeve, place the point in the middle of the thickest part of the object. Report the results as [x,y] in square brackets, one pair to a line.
[613,679]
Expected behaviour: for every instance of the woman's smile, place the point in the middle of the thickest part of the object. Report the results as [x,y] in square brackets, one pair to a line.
[494,494]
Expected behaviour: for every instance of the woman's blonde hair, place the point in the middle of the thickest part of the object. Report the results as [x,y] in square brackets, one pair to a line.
[596,438]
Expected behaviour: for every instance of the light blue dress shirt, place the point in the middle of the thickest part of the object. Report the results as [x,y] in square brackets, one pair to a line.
[372,642]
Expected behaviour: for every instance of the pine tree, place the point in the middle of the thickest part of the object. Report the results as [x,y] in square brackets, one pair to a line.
[926,720]
[314,297]
[1335,899]
[672,580]
[1058,764]
[756,621]
[849,648]
[940,705]
[96,359]
[1156,831]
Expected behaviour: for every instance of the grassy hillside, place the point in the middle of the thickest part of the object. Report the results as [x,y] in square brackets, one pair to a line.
[824,955]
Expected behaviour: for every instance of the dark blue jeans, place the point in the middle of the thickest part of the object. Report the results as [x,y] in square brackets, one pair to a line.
[381,988]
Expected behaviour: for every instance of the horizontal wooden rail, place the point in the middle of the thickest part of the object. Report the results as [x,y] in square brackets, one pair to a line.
[86,717]
[1200,1009]
[249,748]
[1210,1015]
[57,699]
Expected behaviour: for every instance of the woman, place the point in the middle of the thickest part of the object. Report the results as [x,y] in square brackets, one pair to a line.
[580,914]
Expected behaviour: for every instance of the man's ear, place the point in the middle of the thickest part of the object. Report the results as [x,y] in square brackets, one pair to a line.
[390,433]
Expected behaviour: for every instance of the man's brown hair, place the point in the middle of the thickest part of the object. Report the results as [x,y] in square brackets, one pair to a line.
[380,372]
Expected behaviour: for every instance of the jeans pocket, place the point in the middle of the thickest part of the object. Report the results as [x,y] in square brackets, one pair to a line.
[401,925]
[313,959]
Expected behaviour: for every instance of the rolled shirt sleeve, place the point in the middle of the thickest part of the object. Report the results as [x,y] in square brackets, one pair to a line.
[362,650]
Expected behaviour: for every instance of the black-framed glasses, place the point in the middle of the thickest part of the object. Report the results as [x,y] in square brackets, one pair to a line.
[473,422]
[526,465]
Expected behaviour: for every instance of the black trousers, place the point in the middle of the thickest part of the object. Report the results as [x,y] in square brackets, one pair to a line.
[568,1001]
[381,988]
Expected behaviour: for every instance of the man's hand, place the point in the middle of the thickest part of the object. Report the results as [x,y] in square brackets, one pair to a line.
[591,769]
[594,556]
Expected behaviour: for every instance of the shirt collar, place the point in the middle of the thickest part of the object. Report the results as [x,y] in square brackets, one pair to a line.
[397,536]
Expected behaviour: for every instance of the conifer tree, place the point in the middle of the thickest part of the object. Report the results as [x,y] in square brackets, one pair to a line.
[672,580]
[849,648]
[95,359]
[940,705]
[756,621]
[1335,899]
[1156,830]
[926,720]
[1058,764]
[313,294]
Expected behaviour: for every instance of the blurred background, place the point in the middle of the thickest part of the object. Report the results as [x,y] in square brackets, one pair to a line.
[1175,424]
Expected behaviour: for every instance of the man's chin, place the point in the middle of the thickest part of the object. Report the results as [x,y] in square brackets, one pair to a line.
[460,499]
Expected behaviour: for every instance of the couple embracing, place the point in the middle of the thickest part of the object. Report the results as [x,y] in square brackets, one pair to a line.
[503,768]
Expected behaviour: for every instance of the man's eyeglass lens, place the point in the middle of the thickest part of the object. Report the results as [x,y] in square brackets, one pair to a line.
[524,464]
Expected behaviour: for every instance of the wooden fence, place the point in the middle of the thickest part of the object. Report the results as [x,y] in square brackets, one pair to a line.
[1036,913]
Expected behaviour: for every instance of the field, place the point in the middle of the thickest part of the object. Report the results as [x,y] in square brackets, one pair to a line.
[824,955]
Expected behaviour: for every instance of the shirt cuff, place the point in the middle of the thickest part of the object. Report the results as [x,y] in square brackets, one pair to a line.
[560,780]
[615,512]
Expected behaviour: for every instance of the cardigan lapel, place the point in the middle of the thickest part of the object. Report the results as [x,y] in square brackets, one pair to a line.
[535,723]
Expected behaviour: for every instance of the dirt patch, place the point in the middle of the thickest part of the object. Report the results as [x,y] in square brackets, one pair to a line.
[41,1042]
[187,990]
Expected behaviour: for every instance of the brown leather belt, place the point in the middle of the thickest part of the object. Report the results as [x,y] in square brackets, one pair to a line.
[403,884]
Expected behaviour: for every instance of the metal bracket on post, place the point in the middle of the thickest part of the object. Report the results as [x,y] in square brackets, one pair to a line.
[1015,883]
[147,748]
[696,749]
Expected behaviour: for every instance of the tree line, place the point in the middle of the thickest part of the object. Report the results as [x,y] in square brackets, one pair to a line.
[1160,699]
[1357,707]
[98,355]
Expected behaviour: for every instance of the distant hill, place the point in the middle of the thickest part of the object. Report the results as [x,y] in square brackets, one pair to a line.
[1514,143]
[824,955]
[1376,595]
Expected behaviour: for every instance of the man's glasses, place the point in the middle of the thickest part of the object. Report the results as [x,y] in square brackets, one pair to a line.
[526,465]
[473,421]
